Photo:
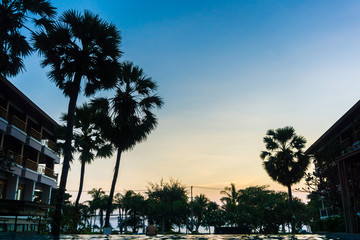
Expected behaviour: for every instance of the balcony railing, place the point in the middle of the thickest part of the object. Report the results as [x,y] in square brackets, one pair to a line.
[52,145]
[47,171]
[50,173]
[35,134]
[30,164]
[3,113]
[18,123]
[16,158]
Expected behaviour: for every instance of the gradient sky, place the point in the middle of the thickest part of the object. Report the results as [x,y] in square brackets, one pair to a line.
[228,71]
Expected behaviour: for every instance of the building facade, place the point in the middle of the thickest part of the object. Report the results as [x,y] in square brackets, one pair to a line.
[346,132]
[28,156]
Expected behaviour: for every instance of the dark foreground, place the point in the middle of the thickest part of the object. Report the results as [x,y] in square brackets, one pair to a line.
[195,237]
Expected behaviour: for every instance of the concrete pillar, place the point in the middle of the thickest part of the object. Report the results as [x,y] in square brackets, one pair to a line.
[46,195]
[2,140]
[12,187]
[29,190]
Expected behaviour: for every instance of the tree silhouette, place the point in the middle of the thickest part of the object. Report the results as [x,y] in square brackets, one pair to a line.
[284,159]
[79,48]
[128,119]
[14,15]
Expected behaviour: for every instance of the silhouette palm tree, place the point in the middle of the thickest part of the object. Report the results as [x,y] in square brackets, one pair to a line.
[284,160]
[231,197]
[78,48]
[230,202]
[199,208]
[98,202]
[88,141]
[127,116]
[14,14]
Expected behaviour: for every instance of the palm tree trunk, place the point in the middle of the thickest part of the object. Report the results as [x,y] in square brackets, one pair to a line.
[67,157]
[111,196]
[82,174]
[291,208]
[101,213]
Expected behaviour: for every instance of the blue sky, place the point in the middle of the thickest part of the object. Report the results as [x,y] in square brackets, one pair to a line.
[228,71]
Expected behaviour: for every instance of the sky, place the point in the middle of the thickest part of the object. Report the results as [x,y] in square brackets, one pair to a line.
[227,71]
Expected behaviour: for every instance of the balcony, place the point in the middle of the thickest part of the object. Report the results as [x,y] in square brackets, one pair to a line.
[47,176]
[3,119]
[30,164]
[15,158]
[30,169]
[34,139]
[50,149]
[17,128]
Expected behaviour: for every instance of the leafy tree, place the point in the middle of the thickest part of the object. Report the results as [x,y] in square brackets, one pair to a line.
[14,15]
[214,216]
[262,210]
[79,49]
[164,200]
[284,159]
[128,119]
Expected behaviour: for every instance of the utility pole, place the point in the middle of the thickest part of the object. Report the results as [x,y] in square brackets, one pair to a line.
[192,211]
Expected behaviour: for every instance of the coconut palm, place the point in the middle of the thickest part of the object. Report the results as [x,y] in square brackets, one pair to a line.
[14,15]
[231,197]
[230,203]
[88,142]
[199,209]
[284,159]
[130,118]
[82,51]
[97,202]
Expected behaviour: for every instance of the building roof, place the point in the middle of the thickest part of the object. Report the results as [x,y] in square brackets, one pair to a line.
[337,128]
[16,96]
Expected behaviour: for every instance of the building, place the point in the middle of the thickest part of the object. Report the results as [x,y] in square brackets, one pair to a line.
[346,131]
[27,143]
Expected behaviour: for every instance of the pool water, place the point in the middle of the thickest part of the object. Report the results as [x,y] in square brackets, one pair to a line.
[201,237]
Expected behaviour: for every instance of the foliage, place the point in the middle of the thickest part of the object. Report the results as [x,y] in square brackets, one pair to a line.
[127,118]
[167,203]
[14,16]
[284,159]
[134,206]
[6,163]
[88,140]
[82,51]
[230,201]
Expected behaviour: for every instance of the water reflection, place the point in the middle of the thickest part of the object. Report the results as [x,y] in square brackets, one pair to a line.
[200,237]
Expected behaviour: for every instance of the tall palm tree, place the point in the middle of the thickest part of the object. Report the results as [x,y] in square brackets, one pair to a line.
[78,48]
[130,118]
[14,15]
[88,141]
[284,159]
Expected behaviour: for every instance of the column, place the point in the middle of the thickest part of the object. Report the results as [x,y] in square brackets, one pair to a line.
[46,195]
[12,187]
[29,190]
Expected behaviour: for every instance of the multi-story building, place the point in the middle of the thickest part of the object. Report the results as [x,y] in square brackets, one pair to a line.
[346,133]
[27,143]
